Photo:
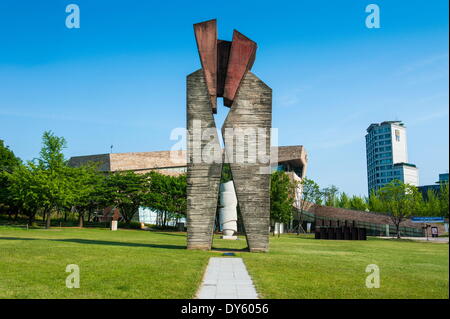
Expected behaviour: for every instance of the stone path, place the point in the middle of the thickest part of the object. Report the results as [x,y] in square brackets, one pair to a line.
[227,278]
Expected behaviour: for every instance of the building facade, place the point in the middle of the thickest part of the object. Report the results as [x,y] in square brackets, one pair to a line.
[387,155]
[291,159]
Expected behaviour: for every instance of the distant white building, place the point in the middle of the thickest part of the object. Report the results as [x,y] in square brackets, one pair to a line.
[387,155]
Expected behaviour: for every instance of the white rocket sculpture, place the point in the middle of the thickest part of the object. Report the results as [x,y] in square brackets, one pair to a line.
[228,211]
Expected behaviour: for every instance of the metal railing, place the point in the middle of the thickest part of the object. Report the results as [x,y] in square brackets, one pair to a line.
[372,229]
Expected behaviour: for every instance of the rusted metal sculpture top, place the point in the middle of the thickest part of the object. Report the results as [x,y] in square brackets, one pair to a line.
[224,63]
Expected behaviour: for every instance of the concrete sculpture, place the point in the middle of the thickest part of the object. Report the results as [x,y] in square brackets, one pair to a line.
[226,73]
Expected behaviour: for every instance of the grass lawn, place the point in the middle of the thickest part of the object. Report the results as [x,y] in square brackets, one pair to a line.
[142,264]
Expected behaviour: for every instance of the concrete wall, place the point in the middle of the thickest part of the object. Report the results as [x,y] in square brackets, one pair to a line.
[410,175]
[399,148]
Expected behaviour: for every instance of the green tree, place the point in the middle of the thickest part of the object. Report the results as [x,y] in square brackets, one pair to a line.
[54,182]
[344,201]
[125,191]
[431,206]
[399,201]
[24,185]
[443,199]
[330,195]
[51,154]
[282,195]
[374,203]
[309,193]
[166,196]
[8,162]
[226,173]
[358,203]
[178,195]
[85,183]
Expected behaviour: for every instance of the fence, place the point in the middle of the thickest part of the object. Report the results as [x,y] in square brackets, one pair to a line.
[371,228]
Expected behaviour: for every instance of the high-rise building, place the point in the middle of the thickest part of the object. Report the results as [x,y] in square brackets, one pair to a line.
[387,155]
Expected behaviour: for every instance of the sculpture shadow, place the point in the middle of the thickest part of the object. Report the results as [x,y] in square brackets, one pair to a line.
[174,234]
[17,238]
[118,243]
[237,250]
[101,242]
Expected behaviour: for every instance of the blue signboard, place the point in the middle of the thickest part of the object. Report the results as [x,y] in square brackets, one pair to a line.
[427,219]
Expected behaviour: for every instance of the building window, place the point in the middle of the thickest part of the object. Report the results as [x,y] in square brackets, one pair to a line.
[397,135]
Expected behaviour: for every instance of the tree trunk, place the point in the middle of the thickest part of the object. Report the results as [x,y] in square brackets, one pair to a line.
[30,219]
[300,222]
[397,226]
[44,215]
[279,230]
[80,220]
[49,219]
[16,214]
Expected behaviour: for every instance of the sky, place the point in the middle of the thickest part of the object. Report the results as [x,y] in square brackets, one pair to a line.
[120,78]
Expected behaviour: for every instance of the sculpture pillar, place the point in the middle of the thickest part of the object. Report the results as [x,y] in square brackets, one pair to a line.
[203,178]
[251,113]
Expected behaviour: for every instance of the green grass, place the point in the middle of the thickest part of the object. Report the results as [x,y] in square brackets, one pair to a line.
[307,268]
[122,264]
[142,264]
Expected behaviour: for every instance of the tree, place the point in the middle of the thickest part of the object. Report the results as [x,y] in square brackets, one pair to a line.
[24,190]
[309,193]
[374,203]
[51,156]
[166,196]
[54,182]
[330,195]
[400,201]
[8,162]
[226,173]
[282,195]
[178,195]
[85,183]
[357,203]
[344,201]
[125,190]
[432,205]
[443,199]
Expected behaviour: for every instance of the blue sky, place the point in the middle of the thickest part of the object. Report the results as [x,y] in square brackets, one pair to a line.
[120,78]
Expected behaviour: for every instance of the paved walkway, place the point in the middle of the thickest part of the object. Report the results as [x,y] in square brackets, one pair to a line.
[442,240]
[226,278]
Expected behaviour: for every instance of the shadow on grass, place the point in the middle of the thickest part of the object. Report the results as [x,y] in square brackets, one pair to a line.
[101,242]
[17,238]
[179,234]
[118,243]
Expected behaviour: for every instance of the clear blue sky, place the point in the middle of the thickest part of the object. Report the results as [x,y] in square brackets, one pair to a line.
[120,78]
